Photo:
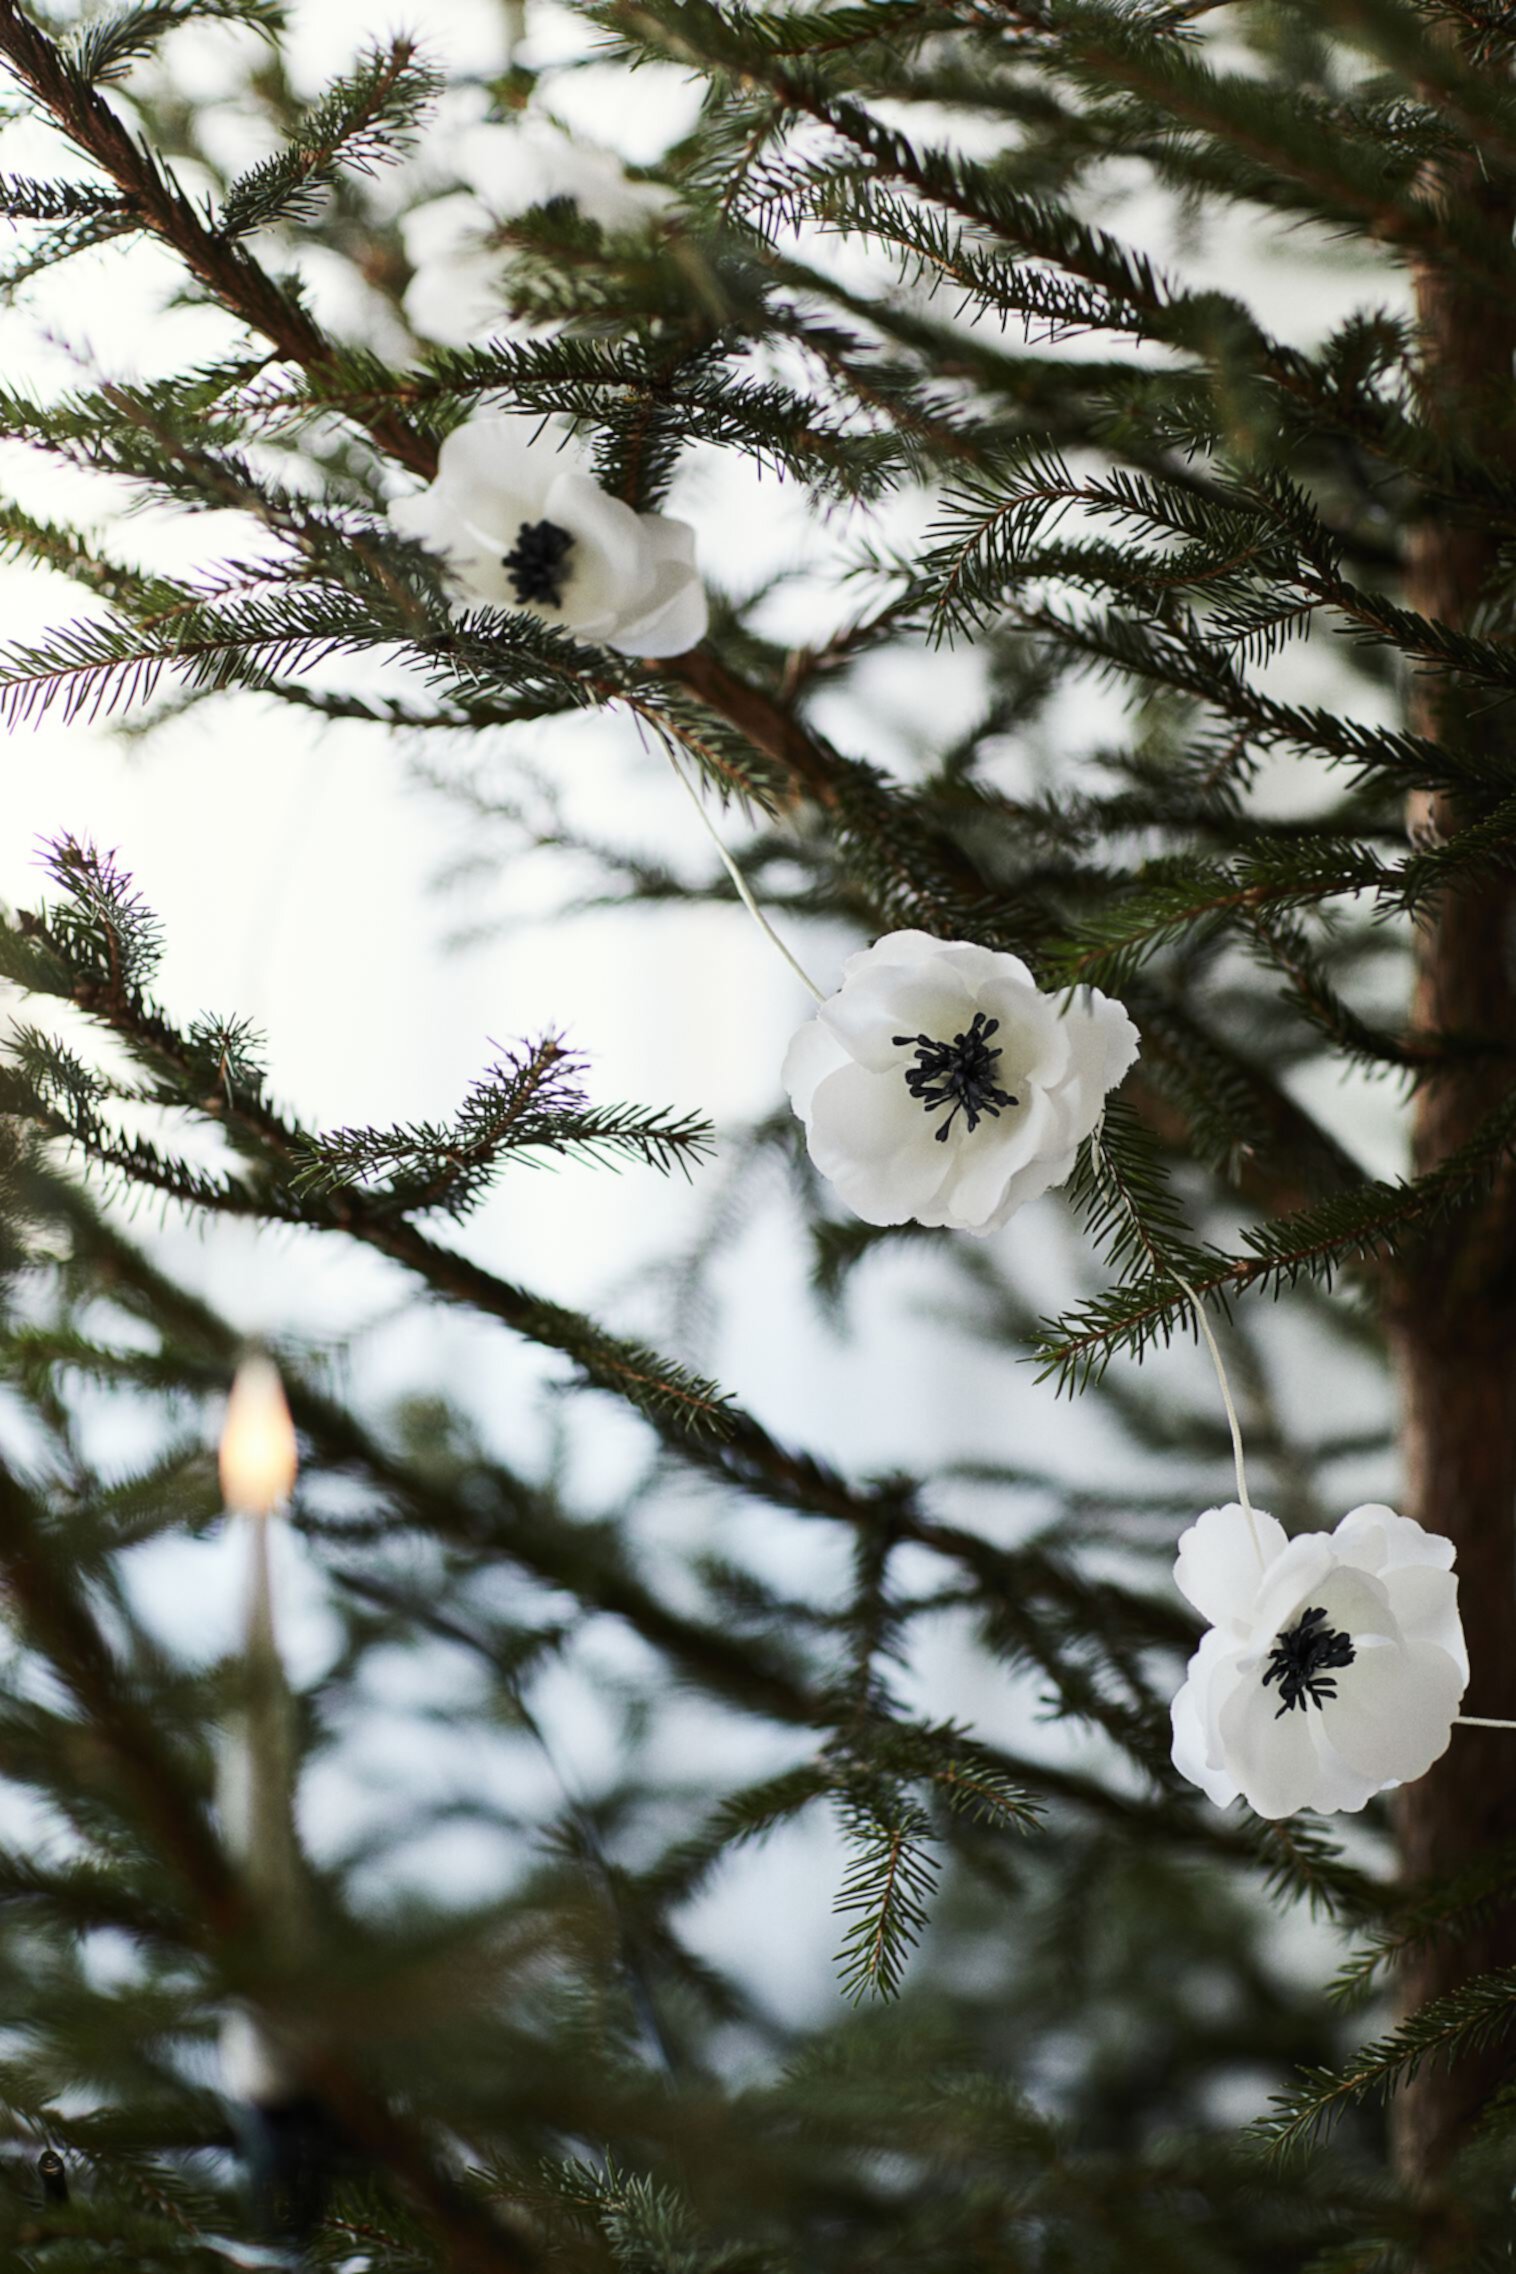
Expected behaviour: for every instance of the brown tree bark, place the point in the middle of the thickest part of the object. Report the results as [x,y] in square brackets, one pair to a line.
[1453,1311]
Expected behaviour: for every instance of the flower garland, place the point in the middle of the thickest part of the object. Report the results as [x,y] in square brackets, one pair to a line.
[939,1085]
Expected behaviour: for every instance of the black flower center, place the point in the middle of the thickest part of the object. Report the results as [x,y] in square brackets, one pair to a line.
[1301,1660]
[536,561]
[957,1074]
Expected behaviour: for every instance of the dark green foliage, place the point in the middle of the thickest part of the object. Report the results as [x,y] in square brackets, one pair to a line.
[1060,1976]
[113,38]
[530,1104]
[364,121]
[1480,2011]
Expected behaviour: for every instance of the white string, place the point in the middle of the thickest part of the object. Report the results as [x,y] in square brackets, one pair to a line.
[1225,1387]
[1233,1423]
[1478,1721]
[739,880]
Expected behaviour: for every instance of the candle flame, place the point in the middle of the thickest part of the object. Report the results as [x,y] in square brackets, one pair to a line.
[258,1454]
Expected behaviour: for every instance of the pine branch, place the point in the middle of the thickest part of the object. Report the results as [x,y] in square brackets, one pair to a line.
[1480,2012]
[1202,1095]
[1285,138]
[1312,1244]
[229,273]
[1455,1908]
[61,1624]
[532,1102]
[884,1893]
[54,79]
[1302,1861]
[1182,898]
[22,199]
[93,669]
[615,386]
[1121,1188]
[1285,947]
[105,47]
[364,120]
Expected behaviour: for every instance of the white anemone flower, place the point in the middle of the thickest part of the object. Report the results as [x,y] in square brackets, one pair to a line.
[456,295]
[521,523]
[1334,1665]
[939,1085]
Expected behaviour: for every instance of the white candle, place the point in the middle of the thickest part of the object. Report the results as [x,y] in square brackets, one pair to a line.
[257,1768]
[259,1457]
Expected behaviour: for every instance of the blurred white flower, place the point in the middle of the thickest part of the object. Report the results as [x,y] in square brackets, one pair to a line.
[521,523]
[1334,1665]
[457,293]
[940,1086]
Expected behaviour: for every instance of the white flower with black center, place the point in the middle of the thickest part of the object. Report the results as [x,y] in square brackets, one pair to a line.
[457,293]
[939,1085]
[522,523]
[1334,1665]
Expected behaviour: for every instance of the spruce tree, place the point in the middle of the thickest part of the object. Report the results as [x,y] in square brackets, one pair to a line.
[888,258]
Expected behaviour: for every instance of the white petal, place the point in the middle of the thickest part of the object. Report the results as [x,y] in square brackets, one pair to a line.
[1220,1569]
[1103,1046]
[1424,1601]
[987,967]
[1340,1790]
[680,622]
[876,1003]
[1211,1669]
[670,542]
[501,465]
[607,572]
[477,570]
[1358,1604]
[424,516]
[481,576]
[1376,1539]
[869,1136]
[677,616]
[906,946]
[986,1159]
[812,1055]
[1027,1185]
[1393,1713]
[1293,1582]
[1271,1754]
[1123,1043]
[888,1192]
[1032,1040]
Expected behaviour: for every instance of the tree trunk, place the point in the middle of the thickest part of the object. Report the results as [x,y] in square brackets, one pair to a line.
[1453,1314]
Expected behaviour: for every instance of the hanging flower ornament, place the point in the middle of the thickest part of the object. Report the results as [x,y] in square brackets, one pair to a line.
[939,1085]
[1334,1665]
[521,523]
